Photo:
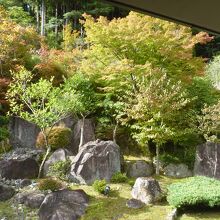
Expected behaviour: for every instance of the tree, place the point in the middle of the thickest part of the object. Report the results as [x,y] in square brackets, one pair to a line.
[39,103]
[153,110]
[210,127]
[84,92]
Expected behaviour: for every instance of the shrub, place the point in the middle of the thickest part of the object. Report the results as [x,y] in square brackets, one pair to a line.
[99,186]
[5,147]
[131,182]
[58,137]
[195,191]
[49,184]
[60,169]
[119,178]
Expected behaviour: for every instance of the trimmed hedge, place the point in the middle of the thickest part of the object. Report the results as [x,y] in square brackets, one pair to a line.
[59,137]
[195,191]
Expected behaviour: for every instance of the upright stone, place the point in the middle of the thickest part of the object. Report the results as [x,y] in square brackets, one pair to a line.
[22,133]
[207,161]
[147,190]
[96,160]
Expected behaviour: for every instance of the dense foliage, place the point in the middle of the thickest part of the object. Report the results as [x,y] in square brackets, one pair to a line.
[60,169]
[195,192]
[58,137]
[99,186]
[49,184]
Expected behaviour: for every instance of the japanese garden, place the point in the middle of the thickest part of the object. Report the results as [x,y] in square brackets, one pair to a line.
[106,114]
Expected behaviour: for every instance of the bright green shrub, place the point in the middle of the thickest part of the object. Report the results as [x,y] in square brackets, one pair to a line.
[60,169]
[49,184]
[99,185]
[195,191]
[119,178]
[58,137]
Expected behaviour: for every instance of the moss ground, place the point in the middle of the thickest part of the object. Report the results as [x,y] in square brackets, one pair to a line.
[114,207]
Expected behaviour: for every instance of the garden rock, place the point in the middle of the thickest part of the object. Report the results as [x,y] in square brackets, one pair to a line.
[6,192]
[25,182]
[89,133]
[22,153]
[177,171]
[134,204]
[32,199]
[58,155]
[146,190]
[207,161]
[23,134]
[96,160]
[140,168]
[19,168]
[63,205]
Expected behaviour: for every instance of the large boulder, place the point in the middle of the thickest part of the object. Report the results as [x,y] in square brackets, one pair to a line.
[139,168]
[96,160]
[147,190]
[22,133]
[32,199]
[207,162]
[177,171]
[63,205]
[6,192]
[19,168]
[58,155]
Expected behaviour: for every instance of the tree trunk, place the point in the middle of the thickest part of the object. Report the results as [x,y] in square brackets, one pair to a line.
[82,133]
[43,17]
[216,159]
[46,155]
[157,159]
[38,18]
[56,26]
[115,133]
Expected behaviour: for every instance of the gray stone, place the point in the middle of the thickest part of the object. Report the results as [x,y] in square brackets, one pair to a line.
[140,168]
[207,161]
[58,155]
[177,171]
[134,204]
[146,190]
[172,215]
[89,134]
[22,133]
[19,169]
[96,160]
[63,205]
[25,182]
[6,192]
[32,199]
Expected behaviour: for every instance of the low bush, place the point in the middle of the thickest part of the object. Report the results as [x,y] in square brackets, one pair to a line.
[49,184]
[60,169]
[99,186]
[119,178]
[195,192]
[58,137]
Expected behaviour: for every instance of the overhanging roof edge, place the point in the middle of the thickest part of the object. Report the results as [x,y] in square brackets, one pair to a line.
[162,16]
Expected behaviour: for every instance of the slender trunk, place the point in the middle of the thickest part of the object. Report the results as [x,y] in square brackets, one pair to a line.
[56,26]
[82,132]
[38,18]
[157,159]
[46,155]
[216,159]
[115,132]
[43,17]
